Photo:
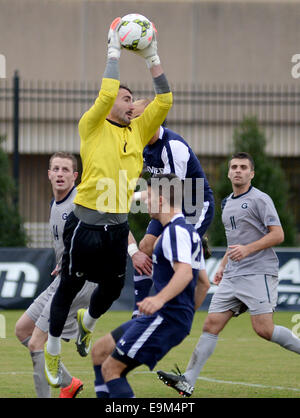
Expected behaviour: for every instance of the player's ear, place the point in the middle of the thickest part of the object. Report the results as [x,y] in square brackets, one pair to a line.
[49,174]
[75,174]
[252,174]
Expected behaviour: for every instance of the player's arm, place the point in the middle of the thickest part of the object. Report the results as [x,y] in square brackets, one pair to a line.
[109,87]
[275,236]
[140,260]
[154,114]
[183,274]
[202,286]
[219,273]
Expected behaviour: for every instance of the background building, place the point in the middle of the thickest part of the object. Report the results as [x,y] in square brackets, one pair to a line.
[224,60]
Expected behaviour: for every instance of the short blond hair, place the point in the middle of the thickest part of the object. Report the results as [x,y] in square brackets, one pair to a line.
[66,155]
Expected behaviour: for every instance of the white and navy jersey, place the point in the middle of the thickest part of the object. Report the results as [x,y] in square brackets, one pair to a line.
[58,214]
[179,242]
[246,219]
[172,154]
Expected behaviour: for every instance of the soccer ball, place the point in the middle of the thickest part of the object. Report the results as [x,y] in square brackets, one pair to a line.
[135,31]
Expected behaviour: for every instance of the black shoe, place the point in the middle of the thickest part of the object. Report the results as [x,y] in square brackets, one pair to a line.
[177,381]
[206,249]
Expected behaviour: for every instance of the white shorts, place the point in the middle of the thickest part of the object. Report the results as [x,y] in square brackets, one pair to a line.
[39,310]
[256,293]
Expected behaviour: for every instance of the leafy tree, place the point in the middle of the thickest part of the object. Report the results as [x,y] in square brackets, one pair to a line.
[269,177]
[12,233]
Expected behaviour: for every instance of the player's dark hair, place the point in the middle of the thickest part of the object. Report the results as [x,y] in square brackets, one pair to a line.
[242,156]
[123,86]
[66,155]
[175,189]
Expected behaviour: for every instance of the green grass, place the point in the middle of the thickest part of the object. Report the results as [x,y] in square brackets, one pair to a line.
[242,366]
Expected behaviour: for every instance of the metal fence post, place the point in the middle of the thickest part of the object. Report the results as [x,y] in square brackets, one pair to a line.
[16,157]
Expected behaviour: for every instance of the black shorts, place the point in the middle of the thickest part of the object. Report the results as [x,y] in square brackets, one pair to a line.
[94,252]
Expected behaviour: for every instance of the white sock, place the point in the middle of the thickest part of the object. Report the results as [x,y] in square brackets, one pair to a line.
[284,337]
[88,321]
[203,350]
[53,345]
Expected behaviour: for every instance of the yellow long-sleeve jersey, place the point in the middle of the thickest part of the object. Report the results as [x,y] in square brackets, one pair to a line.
[112,155]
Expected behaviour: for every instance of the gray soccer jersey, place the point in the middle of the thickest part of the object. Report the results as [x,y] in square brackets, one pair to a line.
[246,218]
[58,215]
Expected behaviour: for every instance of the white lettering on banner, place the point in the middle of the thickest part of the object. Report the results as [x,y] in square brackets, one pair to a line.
[13,274]
[290,271]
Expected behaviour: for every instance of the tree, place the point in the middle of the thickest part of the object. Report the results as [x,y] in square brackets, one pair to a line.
[12,233]
[269,177]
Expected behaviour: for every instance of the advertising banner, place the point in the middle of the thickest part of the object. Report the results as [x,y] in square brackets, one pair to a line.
[25,273]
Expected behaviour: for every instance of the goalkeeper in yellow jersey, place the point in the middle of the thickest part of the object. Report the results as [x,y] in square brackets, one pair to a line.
[96,233]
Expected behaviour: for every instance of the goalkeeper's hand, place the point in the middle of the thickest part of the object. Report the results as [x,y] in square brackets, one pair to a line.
[114,45]
[150,53]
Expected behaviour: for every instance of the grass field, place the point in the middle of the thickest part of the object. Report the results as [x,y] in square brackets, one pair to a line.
[242,366]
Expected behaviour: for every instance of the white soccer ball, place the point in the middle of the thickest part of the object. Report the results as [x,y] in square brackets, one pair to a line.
[135,32]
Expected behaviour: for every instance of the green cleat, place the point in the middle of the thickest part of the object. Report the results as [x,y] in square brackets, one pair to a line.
[84,336]
[53,370]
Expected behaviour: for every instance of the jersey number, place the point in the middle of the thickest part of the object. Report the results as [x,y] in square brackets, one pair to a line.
[196,256]
[55,232]
[233,224]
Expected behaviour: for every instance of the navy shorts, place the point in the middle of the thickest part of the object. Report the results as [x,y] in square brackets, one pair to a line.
[147,339]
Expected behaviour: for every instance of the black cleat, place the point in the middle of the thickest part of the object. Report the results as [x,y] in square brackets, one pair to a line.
[176,381]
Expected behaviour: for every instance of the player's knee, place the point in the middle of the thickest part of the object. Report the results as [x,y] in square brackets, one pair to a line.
[102,349]
[208,325]
[19,332]
[263,332]
[212,325]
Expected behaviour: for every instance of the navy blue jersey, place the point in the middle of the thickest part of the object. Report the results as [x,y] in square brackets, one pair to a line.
[172,154]
[179,242]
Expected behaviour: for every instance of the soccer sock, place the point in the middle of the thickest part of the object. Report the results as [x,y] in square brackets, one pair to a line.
[203,350]
[284,337]
[88,321]
[66,377]
[100,386]
[53,345]
[119,388]
[42,387]
[142,286]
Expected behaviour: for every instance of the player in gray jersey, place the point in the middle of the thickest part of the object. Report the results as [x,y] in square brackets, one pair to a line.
[247,276]
[32,327]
